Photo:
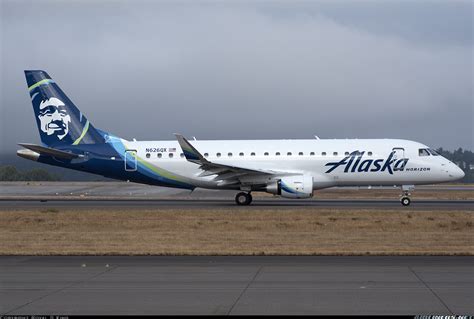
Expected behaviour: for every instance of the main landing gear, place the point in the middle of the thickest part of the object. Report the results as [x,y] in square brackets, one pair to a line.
[405,199]
[243,198]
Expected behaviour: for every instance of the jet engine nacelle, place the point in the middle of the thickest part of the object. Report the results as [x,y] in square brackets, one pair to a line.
[300,186]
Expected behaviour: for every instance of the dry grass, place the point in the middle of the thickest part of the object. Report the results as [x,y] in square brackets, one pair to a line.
[301,231]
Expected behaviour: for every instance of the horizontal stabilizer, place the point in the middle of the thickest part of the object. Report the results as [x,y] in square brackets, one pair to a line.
[47,151]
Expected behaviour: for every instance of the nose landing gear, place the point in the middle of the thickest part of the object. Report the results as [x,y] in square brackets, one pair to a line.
[405,199]
[243,198]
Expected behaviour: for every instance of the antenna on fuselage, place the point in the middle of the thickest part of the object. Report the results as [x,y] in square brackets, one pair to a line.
[194,138]
[316,137]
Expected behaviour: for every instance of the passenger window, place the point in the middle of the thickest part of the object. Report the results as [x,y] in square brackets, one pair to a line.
[311,154]
[346,153]
[170,155]
[323,153]
[369,153]
[423,152]
[229,154]
[147,155]
[218,154]
[181,155]
[159,155]
[266,153]
[206,154]
[252,154]
[300,153]
[289,153]
[335,153]
[277,153]
[241,154]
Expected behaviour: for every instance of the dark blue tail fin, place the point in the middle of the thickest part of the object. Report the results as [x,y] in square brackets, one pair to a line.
[59,121]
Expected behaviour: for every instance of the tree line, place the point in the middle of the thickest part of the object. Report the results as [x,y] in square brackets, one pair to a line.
[11,173]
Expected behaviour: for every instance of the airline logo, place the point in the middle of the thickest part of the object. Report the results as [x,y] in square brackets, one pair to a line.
[53,117]
[354,163]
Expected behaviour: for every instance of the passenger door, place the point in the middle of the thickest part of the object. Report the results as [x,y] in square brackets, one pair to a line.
[130,160]
[399,153]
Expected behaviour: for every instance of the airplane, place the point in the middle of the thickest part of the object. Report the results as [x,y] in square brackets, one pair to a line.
[292,168]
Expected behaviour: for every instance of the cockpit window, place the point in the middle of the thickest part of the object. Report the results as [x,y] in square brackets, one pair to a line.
[423,152]
[433,152]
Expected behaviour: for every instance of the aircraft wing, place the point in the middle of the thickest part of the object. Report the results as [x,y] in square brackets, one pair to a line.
[227,174]
[48,151]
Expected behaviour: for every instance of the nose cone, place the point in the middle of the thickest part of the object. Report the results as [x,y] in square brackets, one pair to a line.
[455,172]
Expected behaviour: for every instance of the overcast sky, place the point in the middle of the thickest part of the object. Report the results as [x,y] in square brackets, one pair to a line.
[245,70]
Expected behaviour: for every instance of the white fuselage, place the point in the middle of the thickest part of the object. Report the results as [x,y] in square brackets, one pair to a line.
[327,161]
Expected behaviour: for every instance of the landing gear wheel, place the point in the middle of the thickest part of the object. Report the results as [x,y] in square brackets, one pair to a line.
[405,201]
[243,198]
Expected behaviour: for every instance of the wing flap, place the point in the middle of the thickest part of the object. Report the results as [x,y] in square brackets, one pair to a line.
[229,176]
[211,171]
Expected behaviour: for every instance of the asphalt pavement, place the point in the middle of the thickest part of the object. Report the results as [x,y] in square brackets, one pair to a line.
[394,285]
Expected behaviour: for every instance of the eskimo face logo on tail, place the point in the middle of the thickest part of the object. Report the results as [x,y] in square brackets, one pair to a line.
[354,163]
[54,119]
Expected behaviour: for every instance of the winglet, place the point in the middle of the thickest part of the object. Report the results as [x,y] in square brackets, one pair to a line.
[189,151]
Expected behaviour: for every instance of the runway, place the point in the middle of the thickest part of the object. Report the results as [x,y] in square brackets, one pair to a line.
[256,204]
[122,194]
[236,285]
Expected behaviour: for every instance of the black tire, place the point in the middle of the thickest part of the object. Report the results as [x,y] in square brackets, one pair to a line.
[243,198]
[405,201]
